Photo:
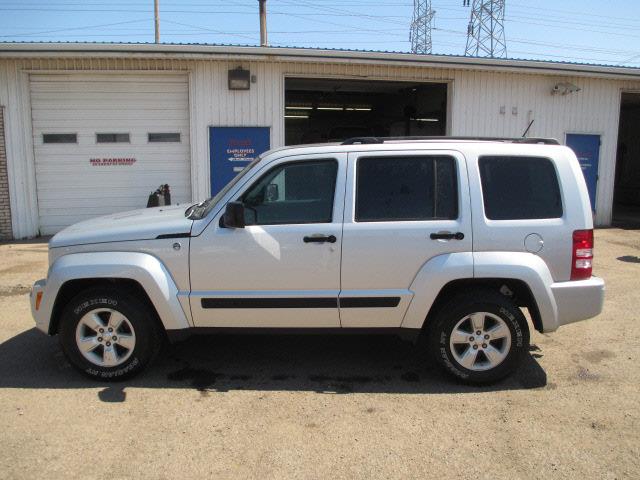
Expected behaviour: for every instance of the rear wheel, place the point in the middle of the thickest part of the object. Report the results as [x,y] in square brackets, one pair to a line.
[479,337]
[109,334]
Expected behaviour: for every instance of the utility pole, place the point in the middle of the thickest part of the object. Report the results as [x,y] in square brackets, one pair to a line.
[420,35]
[263,23]
[485,33]
[156,9]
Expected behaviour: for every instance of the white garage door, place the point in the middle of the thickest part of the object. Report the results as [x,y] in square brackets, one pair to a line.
[104,142]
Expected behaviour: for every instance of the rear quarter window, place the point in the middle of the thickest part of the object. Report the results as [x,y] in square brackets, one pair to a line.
[519,188]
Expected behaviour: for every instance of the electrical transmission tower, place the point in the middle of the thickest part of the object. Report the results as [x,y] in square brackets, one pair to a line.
[421,23]
[485,33]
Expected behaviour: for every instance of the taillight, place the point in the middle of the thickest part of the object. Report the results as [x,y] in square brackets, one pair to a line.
[582,262]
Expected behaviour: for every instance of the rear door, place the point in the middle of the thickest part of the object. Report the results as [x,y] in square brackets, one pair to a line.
[402,209]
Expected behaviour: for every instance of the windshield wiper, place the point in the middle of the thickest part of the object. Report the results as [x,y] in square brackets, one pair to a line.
[202,206]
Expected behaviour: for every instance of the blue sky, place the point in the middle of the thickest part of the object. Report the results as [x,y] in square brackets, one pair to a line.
[587,31]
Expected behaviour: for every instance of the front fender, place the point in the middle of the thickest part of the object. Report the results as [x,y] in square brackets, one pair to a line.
[143,268]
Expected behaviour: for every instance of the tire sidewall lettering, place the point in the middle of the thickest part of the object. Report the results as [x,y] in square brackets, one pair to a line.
[110,302]
[115,373]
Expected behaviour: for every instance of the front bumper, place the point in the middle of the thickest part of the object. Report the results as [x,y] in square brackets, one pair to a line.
[578,300]
[40,314]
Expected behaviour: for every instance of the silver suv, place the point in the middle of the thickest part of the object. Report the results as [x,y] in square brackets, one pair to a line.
[444,240]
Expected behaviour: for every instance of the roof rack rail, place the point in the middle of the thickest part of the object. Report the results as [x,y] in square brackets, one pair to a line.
[374,140]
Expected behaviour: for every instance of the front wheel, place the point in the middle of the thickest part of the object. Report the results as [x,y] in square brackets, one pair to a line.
[479,337]
[109,334]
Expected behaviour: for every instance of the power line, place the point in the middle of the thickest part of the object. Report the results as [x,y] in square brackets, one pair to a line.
[86,27]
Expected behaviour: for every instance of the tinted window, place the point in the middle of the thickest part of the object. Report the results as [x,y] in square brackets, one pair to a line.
[112,137]
[406,188]
[519,188]
[164,137]
[293,193]
[59,138]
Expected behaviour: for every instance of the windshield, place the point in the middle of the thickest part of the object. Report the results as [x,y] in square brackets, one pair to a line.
[202,209]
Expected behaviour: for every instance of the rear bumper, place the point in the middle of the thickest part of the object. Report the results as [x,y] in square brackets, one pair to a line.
[578,300]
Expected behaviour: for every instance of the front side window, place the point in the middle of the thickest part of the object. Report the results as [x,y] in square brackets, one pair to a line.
[406,188]
[519,188]
[293,193]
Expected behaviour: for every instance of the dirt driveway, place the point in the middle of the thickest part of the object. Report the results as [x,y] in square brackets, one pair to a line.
[320,407]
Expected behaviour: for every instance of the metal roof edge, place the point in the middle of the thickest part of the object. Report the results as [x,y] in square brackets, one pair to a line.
[201,51]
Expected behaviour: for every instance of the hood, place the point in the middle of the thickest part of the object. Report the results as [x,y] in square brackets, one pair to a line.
[143,224]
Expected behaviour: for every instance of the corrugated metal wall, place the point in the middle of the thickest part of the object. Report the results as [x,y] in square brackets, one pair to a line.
[476,98]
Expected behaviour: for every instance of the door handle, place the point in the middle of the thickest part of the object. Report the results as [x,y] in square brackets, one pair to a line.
[320,239]
[447,236]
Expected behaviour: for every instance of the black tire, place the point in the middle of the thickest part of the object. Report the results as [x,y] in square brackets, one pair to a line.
[445,320]
[148,336]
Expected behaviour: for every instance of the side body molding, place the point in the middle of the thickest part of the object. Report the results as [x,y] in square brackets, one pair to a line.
[430,280]
[145,269]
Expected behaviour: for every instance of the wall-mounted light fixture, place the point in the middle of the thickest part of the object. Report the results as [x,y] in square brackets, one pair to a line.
[239,79]
[564,88]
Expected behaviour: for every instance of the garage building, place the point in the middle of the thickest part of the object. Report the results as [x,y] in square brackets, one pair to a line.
[92,129]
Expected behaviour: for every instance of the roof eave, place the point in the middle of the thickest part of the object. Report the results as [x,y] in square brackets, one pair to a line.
[288,54]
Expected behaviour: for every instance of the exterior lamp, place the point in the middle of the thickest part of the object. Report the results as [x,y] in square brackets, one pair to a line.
[239,79]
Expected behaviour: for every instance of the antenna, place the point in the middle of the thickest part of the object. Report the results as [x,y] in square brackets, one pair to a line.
[485,33]
[420,35]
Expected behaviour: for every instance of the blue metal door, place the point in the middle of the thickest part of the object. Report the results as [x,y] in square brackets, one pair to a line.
[232,149]
[587,149]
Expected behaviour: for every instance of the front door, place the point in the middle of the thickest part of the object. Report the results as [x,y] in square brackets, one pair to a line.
[408,208]
[587,149]
[283,268]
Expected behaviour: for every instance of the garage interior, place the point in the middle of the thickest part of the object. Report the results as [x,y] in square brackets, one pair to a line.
[329,110]
[626,196]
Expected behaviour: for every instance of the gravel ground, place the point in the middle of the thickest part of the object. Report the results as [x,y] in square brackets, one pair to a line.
[314,407]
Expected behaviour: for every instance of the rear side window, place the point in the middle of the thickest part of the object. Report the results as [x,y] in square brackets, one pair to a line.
[520,188]
[406,188]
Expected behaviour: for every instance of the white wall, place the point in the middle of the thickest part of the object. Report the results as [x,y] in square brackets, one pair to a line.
[14,96]
[475,101]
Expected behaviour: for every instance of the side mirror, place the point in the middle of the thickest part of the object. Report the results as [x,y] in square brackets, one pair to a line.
[233,215]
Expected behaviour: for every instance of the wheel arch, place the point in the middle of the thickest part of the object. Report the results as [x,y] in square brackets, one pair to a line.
[71,288]
[140,274]
[514,289]
[523,274]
